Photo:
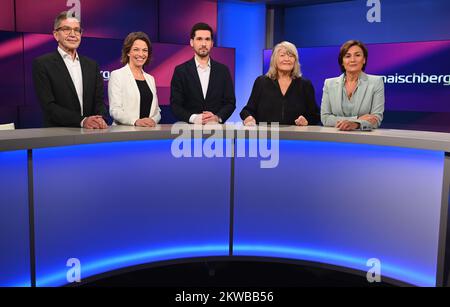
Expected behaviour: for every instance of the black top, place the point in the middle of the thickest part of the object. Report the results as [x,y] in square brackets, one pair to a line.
[57,95]
[186,96]
[146,98]
[267,103]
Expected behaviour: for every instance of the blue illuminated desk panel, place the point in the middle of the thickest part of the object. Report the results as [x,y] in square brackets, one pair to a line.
[121,198]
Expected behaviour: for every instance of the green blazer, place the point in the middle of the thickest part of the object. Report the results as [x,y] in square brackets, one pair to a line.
[369,99]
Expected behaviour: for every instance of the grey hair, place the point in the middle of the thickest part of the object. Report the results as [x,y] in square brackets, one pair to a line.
[290,49]
[63,16]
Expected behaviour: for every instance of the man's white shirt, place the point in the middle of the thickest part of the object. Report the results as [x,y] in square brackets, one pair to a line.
[74,68]
[203,74]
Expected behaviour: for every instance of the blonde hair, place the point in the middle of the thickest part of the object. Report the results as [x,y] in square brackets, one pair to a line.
[290,49]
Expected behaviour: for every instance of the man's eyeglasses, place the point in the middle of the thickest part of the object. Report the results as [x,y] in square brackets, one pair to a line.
[68,30]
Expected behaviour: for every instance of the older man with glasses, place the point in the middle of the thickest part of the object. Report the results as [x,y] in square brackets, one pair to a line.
[69,86]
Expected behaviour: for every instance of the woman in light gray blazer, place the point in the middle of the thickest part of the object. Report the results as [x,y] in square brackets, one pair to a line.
[354,100]
[131,91]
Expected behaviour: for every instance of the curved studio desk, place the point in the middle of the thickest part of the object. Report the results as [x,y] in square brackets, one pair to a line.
[118,199]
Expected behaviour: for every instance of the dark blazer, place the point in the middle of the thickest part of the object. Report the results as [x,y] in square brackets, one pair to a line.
[56,91]
[186,96]
[267,103]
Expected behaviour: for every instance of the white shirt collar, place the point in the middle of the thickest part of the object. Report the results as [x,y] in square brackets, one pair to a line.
[65,55]
[197,63]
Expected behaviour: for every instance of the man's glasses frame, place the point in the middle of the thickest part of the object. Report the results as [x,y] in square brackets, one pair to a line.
[67,30]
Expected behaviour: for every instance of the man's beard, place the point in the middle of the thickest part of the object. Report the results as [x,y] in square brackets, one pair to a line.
[202,55]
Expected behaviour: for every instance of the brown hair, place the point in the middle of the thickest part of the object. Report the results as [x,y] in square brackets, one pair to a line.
[128,43]
[344,49]
[201,26]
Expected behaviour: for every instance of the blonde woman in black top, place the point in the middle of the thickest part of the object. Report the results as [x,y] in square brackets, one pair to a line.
[282,95]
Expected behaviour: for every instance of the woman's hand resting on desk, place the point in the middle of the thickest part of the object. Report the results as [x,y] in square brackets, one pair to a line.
[346,125]
[372,119]
[145,122]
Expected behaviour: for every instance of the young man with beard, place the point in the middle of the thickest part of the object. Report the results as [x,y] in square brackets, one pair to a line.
[202,89]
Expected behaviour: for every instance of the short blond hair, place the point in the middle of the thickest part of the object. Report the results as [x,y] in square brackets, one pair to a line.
[290,49]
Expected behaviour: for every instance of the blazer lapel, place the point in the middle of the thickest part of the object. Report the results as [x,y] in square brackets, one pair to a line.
[155,97]
[133,85]
[338,90]
[85,76]
[212,79]
[59,62]
[360,93]
[194,73]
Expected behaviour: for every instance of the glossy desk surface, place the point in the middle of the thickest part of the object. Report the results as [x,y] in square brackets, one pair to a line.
[323,219]
[51,137]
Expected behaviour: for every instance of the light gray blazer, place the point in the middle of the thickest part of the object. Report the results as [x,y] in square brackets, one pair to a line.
[369,99]
[125,99]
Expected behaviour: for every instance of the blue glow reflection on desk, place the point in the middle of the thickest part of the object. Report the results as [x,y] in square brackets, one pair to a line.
[343,204]
[121,204]
[122,261]
[14,223]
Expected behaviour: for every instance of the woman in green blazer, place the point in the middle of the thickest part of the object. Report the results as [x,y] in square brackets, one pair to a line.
[354,100]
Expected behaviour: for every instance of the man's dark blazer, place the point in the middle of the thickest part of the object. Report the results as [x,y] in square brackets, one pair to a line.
[186,96]
[56,92]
